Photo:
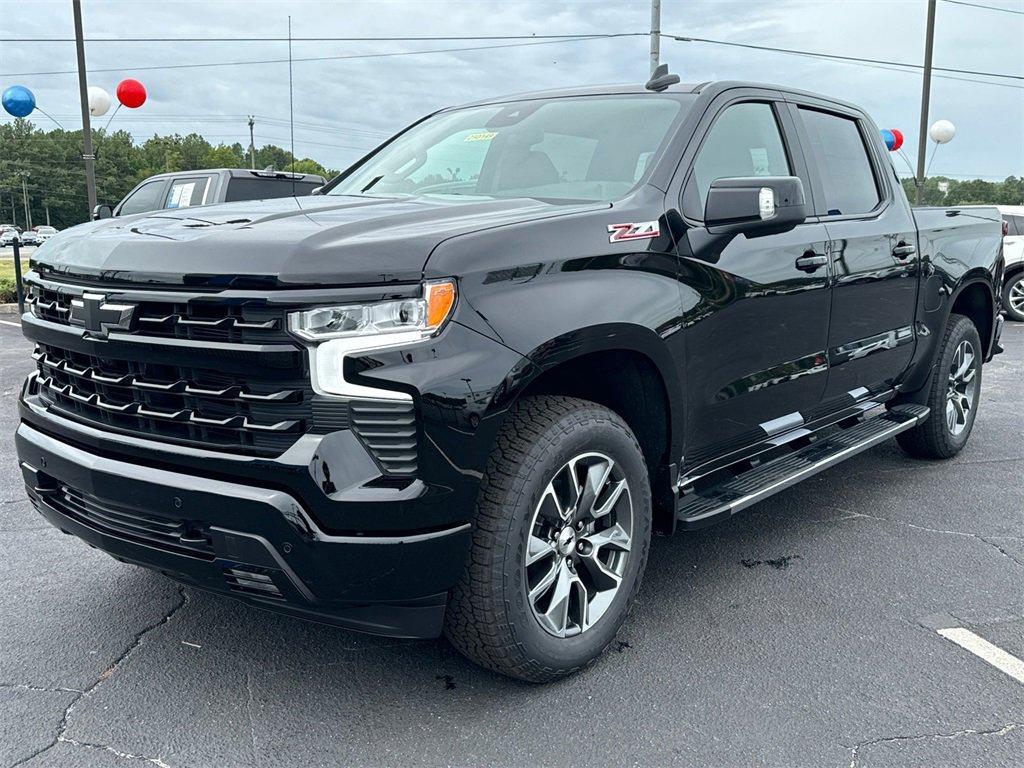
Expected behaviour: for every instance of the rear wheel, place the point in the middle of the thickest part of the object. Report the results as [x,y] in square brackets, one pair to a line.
[560,541]
[952,397]
[1013,297]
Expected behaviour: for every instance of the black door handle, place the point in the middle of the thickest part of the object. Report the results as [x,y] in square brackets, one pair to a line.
[811,261]
[903,251]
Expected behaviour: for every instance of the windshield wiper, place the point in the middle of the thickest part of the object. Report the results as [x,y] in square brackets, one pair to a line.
[372,182]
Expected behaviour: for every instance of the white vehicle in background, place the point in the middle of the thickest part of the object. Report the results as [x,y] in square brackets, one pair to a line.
[45,232]
[8,236]
[1013,253]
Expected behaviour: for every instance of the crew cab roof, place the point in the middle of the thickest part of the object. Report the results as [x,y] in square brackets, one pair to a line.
[711,88]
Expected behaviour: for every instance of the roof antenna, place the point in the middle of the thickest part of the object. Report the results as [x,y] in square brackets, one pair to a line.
[661,79]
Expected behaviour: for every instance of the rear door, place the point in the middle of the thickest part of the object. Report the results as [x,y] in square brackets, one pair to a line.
[873,250]
[756,322]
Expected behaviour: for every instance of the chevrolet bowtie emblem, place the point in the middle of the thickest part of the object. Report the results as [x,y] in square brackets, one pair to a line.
[98,317]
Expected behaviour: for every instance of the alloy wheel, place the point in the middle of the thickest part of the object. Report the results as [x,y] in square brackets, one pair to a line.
[1016,296]
[579,544]
[962,388]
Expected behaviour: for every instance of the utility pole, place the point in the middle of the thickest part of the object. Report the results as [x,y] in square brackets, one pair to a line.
[24,199]
[46,207]
[14,210]
[655,35]
[83,95]
[252,145]
[926,89]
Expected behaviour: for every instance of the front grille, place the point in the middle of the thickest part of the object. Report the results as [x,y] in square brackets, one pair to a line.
[212,408]
[218,372]
[120,520]
[192,320]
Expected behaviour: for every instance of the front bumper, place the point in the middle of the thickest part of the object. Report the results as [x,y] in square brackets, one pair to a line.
[252,542]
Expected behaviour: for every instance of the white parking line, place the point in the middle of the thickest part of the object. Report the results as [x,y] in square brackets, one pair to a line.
[8,322]
[984,650]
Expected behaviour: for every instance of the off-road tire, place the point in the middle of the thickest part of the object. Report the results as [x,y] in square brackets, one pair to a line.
[489,618]
[933,438]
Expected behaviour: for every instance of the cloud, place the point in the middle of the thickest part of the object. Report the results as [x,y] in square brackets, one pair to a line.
[343,107]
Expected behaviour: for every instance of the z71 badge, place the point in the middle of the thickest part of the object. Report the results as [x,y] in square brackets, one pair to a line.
[637,230]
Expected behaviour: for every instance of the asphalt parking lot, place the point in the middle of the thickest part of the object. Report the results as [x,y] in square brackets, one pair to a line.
[802,633]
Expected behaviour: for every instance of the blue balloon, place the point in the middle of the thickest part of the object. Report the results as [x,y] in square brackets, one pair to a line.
[19,101]
[889,139]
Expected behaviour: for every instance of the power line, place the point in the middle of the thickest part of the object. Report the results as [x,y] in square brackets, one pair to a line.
[837,57]
[361,39]
[335,58]
[986,7]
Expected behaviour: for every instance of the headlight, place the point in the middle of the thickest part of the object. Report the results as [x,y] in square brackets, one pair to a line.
[338,331]
[423,315]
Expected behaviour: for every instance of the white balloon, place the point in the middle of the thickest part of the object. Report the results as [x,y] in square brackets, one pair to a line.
[99,101]
[942,131]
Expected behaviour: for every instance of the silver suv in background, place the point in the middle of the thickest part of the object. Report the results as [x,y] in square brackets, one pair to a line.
[1013,253]
[184,189]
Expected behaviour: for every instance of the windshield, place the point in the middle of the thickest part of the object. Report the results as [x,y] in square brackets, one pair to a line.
[592,148]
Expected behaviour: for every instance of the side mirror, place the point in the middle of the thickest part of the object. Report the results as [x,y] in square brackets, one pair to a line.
[102,212]
[317,190]
[755,205]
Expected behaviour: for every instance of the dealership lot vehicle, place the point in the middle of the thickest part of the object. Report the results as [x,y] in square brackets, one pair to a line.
[462,400]
[185,189]
[44,233]
[8,236]
[1013,253]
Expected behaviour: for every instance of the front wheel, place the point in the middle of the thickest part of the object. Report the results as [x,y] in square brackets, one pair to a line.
[560,540]
[952,396]
[1013,297]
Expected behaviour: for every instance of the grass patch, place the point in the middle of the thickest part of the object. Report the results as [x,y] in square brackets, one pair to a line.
[7,294]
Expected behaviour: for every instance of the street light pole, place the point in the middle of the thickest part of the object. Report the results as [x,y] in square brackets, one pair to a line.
[252,144]
[24,199]
[926,88]
[655,35]
[83,94]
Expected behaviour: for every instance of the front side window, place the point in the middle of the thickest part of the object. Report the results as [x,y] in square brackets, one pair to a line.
[145,198]
[842,158]
[744,141]
[588,148]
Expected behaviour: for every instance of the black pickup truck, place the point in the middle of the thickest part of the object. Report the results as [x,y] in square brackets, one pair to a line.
[459,390]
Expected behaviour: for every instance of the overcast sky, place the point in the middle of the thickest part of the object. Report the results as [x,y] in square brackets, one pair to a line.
[345,106]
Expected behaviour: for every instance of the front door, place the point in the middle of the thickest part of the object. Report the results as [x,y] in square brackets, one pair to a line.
[756,309]
[874,258]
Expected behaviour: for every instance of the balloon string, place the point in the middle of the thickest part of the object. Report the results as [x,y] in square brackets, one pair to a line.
[906,160]
[50,116]
[111,118]
[931,160]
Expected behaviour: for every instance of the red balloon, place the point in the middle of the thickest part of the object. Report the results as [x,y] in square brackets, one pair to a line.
[131,93]
[898,139]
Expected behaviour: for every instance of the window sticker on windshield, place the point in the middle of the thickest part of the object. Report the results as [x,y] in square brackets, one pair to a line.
[759,161]
[181,195]
[481,136]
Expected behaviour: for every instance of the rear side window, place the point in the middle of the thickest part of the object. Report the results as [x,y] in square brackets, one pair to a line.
[842,158]
[242,188]
[145,198]
[1014,225]
[744,141]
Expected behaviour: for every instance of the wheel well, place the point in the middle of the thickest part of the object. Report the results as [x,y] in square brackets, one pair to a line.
[629,384]
[975,302]
[1012,271]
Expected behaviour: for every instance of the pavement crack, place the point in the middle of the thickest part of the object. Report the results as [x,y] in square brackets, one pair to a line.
[851,515]
[61,734]
[1000,730]
[39,688]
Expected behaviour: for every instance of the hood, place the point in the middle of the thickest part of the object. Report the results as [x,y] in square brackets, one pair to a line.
[286,242]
